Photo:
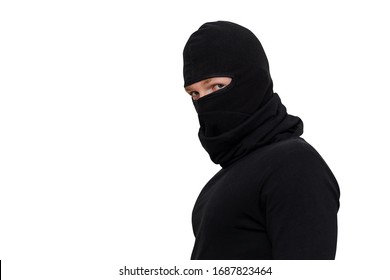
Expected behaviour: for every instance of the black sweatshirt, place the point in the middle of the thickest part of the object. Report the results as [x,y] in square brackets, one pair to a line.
[275,197]
[278,202]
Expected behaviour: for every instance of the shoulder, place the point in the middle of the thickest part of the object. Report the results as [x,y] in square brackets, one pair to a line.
[294,151]
[297,167]
[290,155]
[296,156]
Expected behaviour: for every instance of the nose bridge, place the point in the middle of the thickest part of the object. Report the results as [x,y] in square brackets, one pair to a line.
[205,91]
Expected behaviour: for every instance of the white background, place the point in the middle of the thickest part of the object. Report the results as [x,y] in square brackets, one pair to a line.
[100,164]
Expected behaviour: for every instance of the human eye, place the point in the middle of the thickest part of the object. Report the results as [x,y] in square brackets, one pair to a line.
[218,86]
[194,95]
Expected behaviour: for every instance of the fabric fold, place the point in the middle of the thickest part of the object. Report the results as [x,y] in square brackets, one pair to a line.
[269,124]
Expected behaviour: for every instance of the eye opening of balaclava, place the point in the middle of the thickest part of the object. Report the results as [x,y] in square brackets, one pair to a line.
[247,106]
[225,89]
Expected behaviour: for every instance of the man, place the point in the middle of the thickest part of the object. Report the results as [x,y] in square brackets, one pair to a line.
[275,197]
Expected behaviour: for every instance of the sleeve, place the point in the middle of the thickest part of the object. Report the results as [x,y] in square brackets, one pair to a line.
[301,201]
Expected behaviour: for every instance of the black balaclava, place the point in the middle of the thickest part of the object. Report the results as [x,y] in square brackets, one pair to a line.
[246,114]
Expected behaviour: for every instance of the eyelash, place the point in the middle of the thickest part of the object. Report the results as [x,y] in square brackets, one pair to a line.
[214,85]
[222,85]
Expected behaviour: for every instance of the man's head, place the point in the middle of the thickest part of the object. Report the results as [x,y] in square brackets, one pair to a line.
[225,49]
[227,74]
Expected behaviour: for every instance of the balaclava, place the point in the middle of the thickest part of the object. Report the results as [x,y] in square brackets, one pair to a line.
[246,114]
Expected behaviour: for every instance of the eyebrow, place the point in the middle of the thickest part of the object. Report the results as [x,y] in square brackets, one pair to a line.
[207,81]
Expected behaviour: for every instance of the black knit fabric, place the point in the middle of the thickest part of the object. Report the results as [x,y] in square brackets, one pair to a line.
[275,197]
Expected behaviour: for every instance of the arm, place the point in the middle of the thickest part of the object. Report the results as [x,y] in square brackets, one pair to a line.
[301,201]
